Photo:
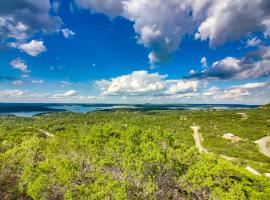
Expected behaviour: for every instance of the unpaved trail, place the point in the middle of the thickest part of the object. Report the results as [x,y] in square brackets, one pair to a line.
[262,145]
[48,134]
[197,138]
[228,158]
[253,171]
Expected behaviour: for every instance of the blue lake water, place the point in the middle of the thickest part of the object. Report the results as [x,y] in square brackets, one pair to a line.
[29,110]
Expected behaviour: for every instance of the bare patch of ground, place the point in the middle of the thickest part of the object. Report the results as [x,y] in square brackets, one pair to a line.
[243,115]
[232,137]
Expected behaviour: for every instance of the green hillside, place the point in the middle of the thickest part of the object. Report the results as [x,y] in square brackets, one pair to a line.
[126,154]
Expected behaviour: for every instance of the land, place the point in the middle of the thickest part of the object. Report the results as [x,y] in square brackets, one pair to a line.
[136,154]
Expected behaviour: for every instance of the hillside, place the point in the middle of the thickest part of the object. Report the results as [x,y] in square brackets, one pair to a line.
[125,154]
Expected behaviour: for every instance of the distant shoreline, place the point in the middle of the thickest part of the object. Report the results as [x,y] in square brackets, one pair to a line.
[31,109]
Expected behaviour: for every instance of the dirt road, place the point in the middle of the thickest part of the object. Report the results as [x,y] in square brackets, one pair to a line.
[197,138]
[262,145]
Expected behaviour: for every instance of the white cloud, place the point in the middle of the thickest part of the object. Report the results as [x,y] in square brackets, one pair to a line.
[11,93]
[228,19]
[37,81]
[109,7]
[235,92]
[253,42]
[17,82]
[136,83]
[20,19]
[9,28]
[32,48]
[65,83]
[253,65]
[250,86]
[142,83]
[67,33]
[25,75]
[212,91]
[161,25]
[204,62]
[19,64]
[183,86]
[70,93]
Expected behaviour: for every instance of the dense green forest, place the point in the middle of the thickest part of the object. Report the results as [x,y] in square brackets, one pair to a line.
[134,154]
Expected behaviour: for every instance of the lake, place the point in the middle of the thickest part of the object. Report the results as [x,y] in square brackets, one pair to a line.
[31,109]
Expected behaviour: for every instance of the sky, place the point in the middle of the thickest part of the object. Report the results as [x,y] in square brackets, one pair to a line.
[135,51]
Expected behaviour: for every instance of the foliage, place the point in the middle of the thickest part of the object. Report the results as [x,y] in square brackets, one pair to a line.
[125,154]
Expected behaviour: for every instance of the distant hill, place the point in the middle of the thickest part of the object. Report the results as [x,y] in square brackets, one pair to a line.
[266,106]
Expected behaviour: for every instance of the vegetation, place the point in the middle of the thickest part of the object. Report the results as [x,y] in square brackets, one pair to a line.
[131,154]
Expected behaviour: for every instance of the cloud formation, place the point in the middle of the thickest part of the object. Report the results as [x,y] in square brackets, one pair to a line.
[37,81]
[70,93]
[11,93]
[234,92]
[67,33]
[142,83]
[204,62]
[17,82]
[253,65]
[19,64]
[229,20]
[161,25]
[32,48]
[19,19]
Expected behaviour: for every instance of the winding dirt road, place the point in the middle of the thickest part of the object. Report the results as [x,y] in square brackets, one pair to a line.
[262,145]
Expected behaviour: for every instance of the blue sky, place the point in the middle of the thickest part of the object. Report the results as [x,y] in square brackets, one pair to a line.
[135,51]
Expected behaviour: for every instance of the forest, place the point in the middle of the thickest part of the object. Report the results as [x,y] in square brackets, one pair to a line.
[135,154]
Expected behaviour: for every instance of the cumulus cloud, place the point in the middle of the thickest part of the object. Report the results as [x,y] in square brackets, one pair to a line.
[108,7]
[136,83]
[182,86]
[161,25]
[204,62]
[234,92]
[67,33]
[37,81]
[65,83]
[70,93]
[253,65]
[20,19]
[142,83]
[253,42]
[17,82]
[19,64]
[250,86]
[9,28]
[231,19]
[32,48]
[11,93]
